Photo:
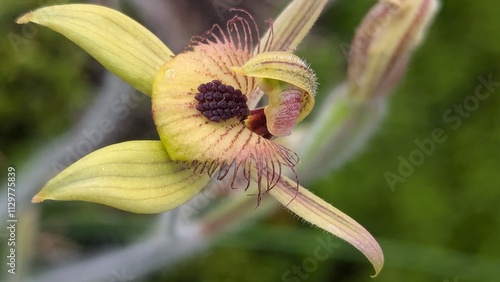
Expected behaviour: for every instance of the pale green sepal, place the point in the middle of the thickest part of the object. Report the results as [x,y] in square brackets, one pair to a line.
[320,213]
[293,24]
[136,176]
[118,42]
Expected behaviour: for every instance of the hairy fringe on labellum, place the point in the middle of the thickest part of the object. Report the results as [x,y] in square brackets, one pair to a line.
[241,31]
[265,165]
[263,159]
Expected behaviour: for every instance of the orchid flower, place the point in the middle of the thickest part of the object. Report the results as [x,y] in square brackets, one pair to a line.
[204,105]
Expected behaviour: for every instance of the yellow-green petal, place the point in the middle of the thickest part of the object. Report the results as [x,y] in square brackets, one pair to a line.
[320,213]
[136,176]
[119,43]
[290,85]
[293,24]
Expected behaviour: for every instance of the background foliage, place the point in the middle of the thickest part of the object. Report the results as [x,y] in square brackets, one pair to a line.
[442,223]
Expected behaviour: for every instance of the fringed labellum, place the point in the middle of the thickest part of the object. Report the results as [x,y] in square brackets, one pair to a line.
[201,108]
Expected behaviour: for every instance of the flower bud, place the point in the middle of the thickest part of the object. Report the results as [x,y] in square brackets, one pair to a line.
[383,44]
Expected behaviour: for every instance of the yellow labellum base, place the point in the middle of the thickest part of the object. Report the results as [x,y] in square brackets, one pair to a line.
[188,135]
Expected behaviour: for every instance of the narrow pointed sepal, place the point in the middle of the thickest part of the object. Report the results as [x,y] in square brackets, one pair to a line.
[290,84]
[320,213]
[136,176]
[119,43]
[383,44]
[293,24]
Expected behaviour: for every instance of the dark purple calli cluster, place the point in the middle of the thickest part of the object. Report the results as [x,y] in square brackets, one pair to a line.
[219,102]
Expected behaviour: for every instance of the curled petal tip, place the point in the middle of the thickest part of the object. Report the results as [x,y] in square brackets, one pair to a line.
[37,199]
[320,213]
[24,19]
[284,110]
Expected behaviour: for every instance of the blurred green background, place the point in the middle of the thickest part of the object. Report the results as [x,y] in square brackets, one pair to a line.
[441,224]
